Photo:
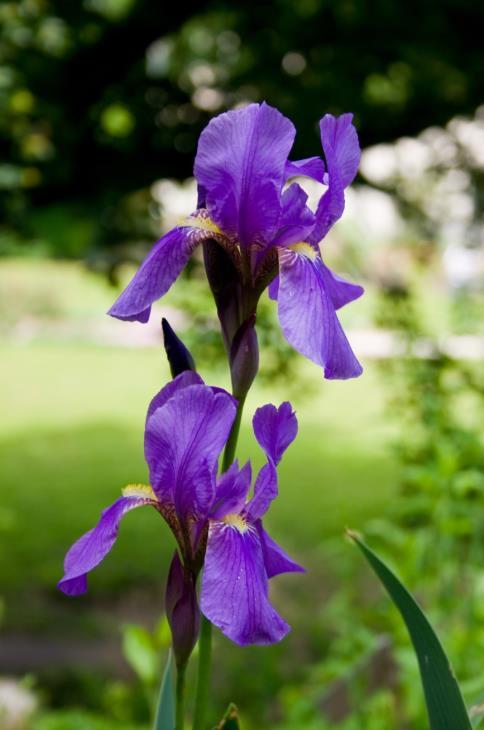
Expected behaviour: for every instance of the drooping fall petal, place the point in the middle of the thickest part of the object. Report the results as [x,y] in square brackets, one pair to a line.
[276,560]
[92,548]
[308,317]
[234,593]
[159,270]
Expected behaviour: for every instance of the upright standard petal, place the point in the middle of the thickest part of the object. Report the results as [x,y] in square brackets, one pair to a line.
[341,147]
[231,491]
[189,377]
[234,593]
[183,440]
[342,151]
[93,547]
[309,167]
[297,219]
[275,429]
[159,270]
[307,314]
[240,164]
[266,489]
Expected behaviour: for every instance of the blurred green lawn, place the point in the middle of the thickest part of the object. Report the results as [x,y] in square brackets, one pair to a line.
[72,435]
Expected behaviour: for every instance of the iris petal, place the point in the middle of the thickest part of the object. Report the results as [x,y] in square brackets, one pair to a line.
[266,489]
[297,220]
[231,491]
[276,560]
[183,440]
[309,167]
[342,152]
[341,291]
[93,547]
[159,270]
[275,429]
[308,318]
[240,164]
[188,377]
[273,290]
[341,146]
[234,593]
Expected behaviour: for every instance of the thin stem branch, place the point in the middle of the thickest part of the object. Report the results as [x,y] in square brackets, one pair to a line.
[204,671]
[180,697]
[231,445]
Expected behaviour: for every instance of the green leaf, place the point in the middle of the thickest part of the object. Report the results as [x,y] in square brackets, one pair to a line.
[140,652]
[445,706]
[230,720]
[165,714]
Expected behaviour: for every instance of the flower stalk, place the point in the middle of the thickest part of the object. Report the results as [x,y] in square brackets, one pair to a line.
[204,673]
[180,696]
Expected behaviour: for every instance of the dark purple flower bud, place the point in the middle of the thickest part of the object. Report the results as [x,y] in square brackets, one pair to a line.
[178,354]
[182,610]
[244,358]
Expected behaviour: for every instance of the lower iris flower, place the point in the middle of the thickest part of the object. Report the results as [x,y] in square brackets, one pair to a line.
[266,230]
[215,523]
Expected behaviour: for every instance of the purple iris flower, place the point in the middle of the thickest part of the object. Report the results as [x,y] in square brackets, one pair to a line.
[266,229]
[214,522]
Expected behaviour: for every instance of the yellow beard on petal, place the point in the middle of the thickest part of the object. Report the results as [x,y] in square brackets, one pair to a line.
[305,249]
[236,521]
[202,223]
[144,491]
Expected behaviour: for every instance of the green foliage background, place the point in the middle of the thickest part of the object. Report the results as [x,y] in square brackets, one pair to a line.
[99,98]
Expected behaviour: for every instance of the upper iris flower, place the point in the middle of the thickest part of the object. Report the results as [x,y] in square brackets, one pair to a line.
[214,522]
[266,229]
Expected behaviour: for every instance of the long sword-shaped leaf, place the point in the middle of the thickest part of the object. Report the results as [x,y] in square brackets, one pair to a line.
[165,714]
[445,706]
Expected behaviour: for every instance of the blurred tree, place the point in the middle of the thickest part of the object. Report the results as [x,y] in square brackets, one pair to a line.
[100,97]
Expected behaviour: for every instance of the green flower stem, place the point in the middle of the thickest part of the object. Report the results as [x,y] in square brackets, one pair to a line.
[231,444]
[180,697]
[204,671]
[205,640]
